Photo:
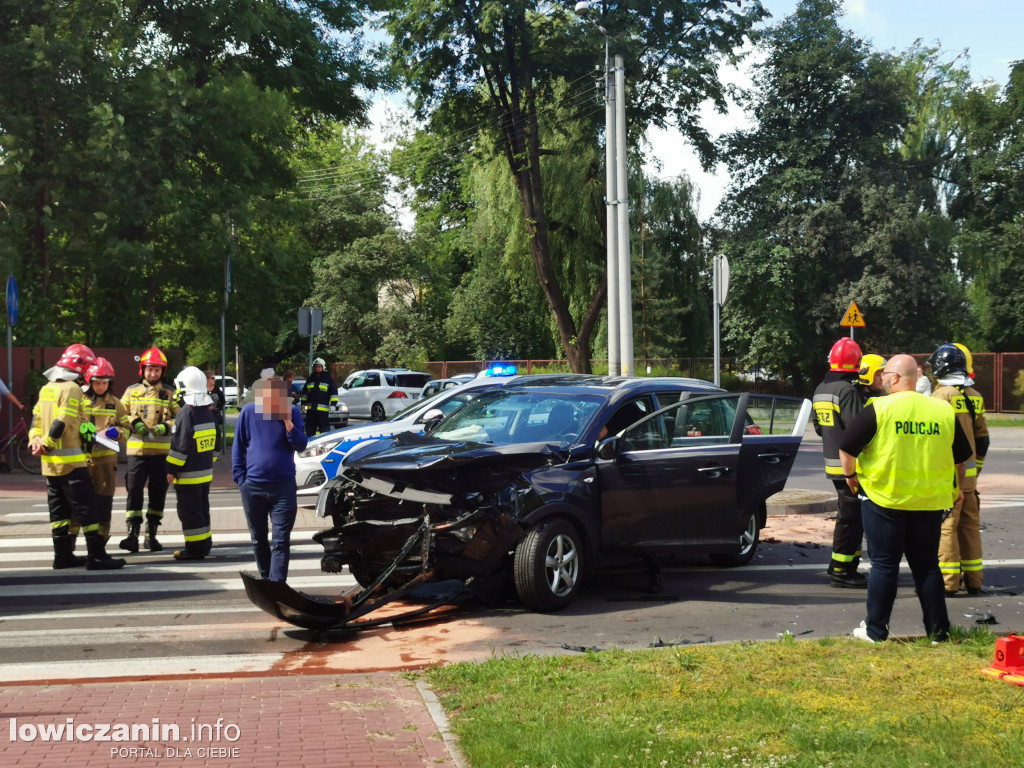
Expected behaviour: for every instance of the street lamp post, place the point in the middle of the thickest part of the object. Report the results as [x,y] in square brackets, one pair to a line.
[617,264]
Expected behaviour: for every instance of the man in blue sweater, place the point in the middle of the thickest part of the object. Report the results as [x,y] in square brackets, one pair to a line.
[268,433]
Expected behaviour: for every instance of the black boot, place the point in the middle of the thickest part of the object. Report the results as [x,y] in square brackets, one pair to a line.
[99,560]
[64,552]
[152,523]
[131,541]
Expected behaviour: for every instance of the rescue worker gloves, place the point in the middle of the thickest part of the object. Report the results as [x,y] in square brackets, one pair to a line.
[160,429]
[140,427]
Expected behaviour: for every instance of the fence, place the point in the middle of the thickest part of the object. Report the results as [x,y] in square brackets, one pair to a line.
[999,376]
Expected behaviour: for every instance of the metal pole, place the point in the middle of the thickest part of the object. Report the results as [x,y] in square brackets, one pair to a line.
[716,302]
[611,217]
[622,208]
[10,386]
[223,372]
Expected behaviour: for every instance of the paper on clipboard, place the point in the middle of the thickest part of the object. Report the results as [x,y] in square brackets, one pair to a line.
[106,442]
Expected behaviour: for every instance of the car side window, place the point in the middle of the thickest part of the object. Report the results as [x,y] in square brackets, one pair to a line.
[625,415]
[370,380]
[648,435]
[704,422]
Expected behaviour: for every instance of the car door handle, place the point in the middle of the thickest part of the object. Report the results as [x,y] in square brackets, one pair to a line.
[773,458]
[717,471]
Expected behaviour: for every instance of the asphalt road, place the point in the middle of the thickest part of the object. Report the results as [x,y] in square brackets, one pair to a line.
[158,617]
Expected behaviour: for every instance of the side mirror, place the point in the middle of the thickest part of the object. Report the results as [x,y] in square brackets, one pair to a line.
[608,449]
[431,417]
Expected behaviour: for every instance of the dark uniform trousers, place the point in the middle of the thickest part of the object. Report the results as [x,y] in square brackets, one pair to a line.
[317,421]
[141,469]
[849,530]
[103,472]
[194,513]
[71,500]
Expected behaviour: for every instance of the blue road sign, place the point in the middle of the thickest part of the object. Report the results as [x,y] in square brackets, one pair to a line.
[12,300]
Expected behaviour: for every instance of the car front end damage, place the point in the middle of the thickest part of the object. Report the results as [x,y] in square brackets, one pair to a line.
[410,511]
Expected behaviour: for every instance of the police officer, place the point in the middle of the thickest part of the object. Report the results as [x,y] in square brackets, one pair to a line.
[319,393]
[151,409]
[960,548]
[190,462]
[905,453]
[836,402]
[110,417]
[59,435]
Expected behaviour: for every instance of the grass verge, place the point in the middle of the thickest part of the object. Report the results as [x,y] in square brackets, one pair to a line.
[833,702]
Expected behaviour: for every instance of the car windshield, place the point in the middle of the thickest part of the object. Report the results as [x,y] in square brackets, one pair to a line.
[521,417]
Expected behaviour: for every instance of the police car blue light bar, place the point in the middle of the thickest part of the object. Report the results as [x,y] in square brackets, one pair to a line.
[500,370]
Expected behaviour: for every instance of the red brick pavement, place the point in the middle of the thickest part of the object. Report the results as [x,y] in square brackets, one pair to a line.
[375,720]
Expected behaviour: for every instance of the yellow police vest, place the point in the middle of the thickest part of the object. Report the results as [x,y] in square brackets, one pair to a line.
[909,464]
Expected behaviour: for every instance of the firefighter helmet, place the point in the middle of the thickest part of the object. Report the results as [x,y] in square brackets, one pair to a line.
[320,361]
[152,356]
[101,369]
[948,360]
[869,366]
[191,386]
[845,356]
[970,358]
[77,358]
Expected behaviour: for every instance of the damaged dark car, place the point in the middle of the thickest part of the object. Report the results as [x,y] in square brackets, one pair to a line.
[535,485]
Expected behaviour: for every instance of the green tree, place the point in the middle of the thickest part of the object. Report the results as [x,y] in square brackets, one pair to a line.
[132,132]
[497,64]
[989,209]
[824,209]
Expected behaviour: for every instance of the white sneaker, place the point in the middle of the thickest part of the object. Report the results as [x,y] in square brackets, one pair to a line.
[861,632]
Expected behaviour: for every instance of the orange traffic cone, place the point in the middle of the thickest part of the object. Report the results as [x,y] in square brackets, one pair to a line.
[1008,664]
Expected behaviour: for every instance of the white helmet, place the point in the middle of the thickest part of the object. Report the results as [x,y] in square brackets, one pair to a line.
[191,384]
[320,361]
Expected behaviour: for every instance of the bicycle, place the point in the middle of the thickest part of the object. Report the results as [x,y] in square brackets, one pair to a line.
[18,437]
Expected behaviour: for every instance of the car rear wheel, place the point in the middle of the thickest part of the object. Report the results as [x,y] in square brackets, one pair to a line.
[547,566]
[377,412]
[748,545]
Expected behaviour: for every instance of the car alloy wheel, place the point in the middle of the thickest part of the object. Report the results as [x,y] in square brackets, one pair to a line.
[749,538]
[377,412]
[548,563]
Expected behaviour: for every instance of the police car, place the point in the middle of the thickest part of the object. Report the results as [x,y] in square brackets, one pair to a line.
[316,466]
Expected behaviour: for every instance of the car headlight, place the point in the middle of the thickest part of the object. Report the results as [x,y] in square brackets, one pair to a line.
[319,449]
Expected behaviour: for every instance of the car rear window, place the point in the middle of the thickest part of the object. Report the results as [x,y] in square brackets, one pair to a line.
[411,380]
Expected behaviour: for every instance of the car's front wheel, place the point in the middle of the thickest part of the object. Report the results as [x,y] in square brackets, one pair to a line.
[377,412]
[749,538]
[548,565]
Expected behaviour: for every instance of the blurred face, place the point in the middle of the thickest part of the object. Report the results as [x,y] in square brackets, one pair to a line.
[876,383]
[153,373]
[272,399]
[210,381]
[99,386]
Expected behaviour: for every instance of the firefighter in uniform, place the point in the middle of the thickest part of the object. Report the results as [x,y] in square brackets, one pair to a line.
[905,454]
[836,402]
[319,393]
[151,409]
[60,436]
[110,417]
[960,547]
[190,462]
[869,383]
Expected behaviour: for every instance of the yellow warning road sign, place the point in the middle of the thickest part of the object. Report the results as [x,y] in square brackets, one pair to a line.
[853,318]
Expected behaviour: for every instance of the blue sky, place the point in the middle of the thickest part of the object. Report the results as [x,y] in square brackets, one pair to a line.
[992,31]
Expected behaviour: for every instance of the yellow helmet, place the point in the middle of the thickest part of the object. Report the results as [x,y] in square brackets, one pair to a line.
[869,366]
[970,359]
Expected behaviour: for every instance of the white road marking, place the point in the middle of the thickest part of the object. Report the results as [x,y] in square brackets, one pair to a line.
[101,668]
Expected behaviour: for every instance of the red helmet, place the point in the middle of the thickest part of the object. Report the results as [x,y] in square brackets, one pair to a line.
[152,356]
[77,358]
[101,369]
[845,356]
